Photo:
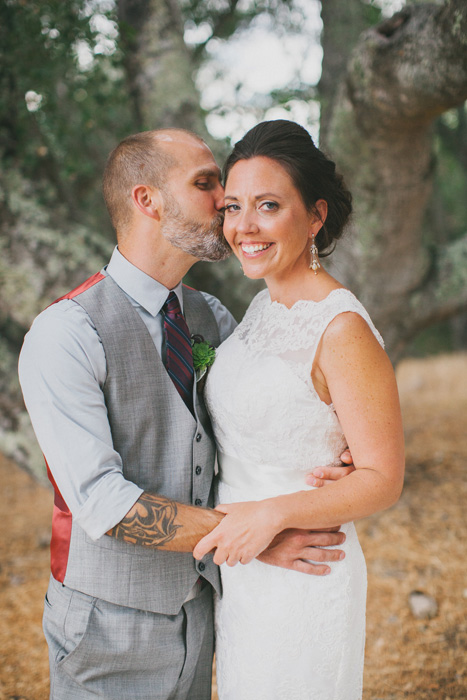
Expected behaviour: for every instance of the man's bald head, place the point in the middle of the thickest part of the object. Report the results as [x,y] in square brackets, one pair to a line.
[144,158]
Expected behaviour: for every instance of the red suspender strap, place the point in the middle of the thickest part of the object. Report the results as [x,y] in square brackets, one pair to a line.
[82,287]
[62,518]
[61,533]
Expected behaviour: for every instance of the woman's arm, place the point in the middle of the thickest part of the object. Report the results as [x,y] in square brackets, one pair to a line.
[356,373]
[361,383]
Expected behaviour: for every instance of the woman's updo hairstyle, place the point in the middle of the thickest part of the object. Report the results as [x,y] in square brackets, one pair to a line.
[313,174]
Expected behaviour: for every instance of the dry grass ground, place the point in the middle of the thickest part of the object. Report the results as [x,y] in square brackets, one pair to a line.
[418,545]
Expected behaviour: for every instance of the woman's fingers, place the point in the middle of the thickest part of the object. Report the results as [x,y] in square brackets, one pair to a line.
[220,556]
[241,535]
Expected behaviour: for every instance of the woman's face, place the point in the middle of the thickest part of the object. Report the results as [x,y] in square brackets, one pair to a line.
[266,222]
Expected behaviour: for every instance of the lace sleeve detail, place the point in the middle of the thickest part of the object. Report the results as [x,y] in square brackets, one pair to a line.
[275,327]
[348,302]
[293,334]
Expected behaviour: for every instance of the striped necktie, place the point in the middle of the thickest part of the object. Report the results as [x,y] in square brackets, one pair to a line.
[179,357]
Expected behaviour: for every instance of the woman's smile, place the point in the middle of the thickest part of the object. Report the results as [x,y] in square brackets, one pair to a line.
[252,249]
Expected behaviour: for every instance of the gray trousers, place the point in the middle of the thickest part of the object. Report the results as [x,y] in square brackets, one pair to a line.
[101,650]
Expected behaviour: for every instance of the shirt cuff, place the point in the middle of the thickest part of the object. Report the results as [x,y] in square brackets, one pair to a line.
[107,505]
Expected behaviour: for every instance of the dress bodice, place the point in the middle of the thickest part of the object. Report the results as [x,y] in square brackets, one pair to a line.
[259,392]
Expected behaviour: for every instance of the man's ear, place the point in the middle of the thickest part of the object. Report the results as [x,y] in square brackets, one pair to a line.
[148,200]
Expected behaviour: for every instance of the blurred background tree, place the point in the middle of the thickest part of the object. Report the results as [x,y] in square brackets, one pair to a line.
[76,77]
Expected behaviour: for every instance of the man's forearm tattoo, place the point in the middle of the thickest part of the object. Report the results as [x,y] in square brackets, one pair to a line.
[152,523]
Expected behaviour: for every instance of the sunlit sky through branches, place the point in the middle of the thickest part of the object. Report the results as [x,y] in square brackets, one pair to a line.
[240,73]
[237,80]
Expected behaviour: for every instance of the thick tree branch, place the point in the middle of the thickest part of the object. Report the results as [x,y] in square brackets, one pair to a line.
[410,68]
[401,75]
[444,296]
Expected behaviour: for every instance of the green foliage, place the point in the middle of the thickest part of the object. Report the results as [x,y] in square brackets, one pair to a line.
[451,172]
[371,12]
[225,17]
[432,341]
[77,113]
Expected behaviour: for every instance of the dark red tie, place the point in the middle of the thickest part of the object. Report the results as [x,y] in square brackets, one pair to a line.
[179,357]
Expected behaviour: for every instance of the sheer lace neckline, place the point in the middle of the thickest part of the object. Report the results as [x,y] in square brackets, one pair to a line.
[271,327]
[300,303]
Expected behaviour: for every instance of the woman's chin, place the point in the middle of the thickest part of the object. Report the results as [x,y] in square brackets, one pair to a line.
[253,274]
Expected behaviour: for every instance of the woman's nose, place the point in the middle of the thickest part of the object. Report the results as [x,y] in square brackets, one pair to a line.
[246,223]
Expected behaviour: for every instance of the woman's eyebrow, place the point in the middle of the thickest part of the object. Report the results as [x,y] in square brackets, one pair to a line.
[258,196]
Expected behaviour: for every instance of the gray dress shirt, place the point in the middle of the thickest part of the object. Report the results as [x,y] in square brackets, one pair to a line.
[62,370]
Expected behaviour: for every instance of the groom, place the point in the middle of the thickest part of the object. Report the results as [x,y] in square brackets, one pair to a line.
[107,378]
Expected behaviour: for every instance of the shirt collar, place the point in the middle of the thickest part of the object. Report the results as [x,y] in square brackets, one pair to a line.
[143,289]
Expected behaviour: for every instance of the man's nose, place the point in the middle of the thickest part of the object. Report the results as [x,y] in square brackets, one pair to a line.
[219,197]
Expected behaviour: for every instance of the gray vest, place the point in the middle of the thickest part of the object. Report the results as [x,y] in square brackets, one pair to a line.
[163,449]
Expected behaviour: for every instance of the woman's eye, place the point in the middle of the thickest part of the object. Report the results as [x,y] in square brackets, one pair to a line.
[269,206]
[231,208]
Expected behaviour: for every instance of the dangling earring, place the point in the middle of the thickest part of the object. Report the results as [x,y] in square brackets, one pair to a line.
[314,262]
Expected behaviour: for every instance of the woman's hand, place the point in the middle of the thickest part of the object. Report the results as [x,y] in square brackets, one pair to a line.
[247,529]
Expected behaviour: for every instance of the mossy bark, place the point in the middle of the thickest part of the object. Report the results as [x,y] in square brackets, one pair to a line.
[401,75]
[39,262]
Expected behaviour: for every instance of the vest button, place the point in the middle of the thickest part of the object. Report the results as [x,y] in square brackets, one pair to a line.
[198,437]
[201,566]
[198,470]
[198,501]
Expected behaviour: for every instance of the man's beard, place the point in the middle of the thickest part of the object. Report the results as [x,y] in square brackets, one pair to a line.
[203,241]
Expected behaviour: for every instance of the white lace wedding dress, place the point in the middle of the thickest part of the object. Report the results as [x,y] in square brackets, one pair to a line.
[280,634]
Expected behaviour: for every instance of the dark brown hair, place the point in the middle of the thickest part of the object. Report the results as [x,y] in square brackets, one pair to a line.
[313,174]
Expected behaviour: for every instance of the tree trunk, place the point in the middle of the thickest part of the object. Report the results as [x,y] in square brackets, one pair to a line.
[343,22]
[401,75]
[159,67]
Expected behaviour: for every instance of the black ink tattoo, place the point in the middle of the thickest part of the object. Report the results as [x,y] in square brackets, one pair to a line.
[151,524]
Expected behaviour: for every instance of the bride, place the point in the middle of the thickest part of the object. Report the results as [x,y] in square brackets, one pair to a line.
[302,376]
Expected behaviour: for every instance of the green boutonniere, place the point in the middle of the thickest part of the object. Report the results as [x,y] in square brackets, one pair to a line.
[203,355]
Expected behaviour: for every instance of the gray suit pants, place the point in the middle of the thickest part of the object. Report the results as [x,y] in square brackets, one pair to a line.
[101,650]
